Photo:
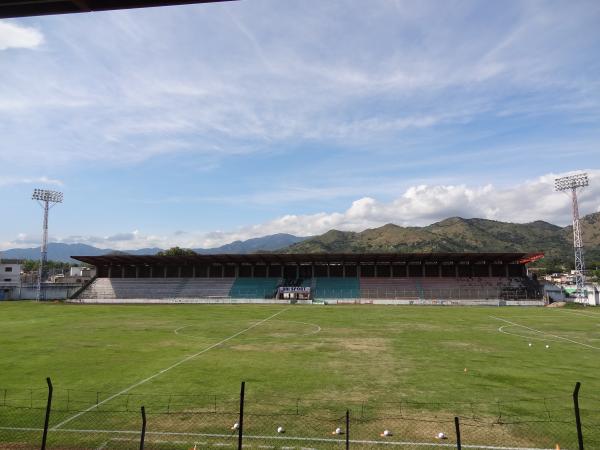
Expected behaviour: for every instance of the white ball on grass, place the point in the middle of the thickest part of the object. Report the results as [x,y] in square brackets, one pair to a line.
[235,426]
[530,344]
[441,436]
[387,433]
[547,346]
[280,430]
[338,430]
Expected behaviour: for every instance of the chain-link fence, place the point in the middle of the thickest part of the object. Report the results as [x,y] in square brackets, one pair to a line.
[555,423]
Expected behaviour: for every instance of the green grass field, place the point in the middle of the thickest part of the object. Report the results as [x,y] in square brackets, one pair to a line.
[410,362]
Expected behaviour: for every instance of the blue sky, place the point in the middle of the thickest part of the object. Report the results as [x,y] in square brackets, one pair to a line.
[197,125]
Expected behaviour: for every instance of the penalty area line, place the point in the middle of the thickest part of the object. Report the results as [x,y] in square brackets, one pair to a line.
[547,334]
[172,366]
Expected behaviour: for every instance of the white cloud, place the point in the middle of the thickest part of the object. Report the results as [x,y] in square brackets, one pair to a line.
[343,81]
[17,36]
[418,205]
[6,181]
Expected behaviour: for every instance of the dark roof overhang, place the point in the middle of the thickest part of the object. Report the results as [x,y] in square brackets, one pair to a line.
[23,8]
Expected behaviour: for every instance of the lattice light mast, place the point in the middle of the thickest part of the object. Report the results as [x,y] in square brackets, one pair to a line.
[46,199]
[572,183]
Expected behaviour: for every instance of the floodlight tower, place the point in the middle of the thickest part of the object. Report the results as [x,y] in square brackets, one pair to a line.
[46,199]
[572,183]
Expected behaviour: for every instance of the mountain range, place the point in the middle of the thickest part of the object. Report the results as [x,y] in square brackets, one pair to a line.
[462,235]
[63,252]
[450,235]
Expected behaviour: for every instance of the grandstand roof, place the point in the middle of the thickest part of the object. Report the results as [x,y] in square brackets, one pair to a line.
[21,8]
[292,258]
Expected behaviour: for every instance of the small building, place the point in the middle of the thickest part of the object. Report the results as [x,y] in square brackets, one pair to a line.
[10,277]
[593,292]
[77,275]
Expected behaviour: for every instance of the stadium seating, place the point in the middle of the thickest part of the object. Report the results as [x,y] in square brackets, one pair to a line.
[392,288]
[418,288]
[432,288]
[254,287]
[115,288]
[323,288]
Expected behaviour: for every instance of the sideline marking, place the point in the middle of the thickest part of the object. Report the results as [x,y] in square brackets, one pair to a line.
[316,330]
[501,330]
[145,380]
[283,438]
[547,334]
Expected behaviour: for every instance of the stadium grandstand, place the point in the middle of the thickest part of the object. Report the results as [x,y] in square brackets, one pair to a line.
[378,278]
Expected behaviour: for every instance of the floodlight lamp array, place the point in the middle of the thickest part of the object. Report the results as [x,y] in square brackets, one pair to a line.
[571,182]
[47,196]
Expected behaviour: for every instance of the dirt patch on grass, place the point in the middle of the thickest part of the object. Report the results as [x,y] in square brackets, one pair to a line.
[367,345]
[276,347]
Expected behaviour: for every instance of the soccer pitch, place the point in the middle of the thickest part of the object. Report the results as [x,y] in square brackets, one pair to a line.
[375,361]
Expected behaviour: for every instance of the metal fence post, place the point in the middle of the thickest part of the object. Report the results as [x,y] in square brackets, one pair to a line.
[577,416]
[347,429]
[48,408]
[143,436]
[241,422]
[457,427]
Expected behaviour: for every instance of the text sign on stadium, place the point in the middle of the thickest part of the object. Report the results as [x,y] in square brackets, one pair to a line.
[294,289]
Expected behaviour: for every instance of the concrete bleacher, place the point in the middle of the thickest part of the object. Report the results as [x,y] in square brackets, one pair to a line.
[334,287]
[323,288]
[464,288]
[254,287]
[157,288]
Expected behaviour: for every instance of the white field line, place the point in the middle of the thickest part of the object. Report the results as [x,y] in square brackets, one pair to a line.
[104,445]
[594,315]
[283,438]
[501,330]
[172,366]
[547,334]
[317,329]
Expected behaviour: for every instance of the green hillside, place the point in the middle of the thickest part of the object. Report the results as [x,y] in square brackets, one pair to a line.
[462,235]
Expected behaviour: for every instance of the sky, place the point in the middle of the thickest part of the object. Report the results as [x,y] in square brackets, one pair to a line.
[202,124]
